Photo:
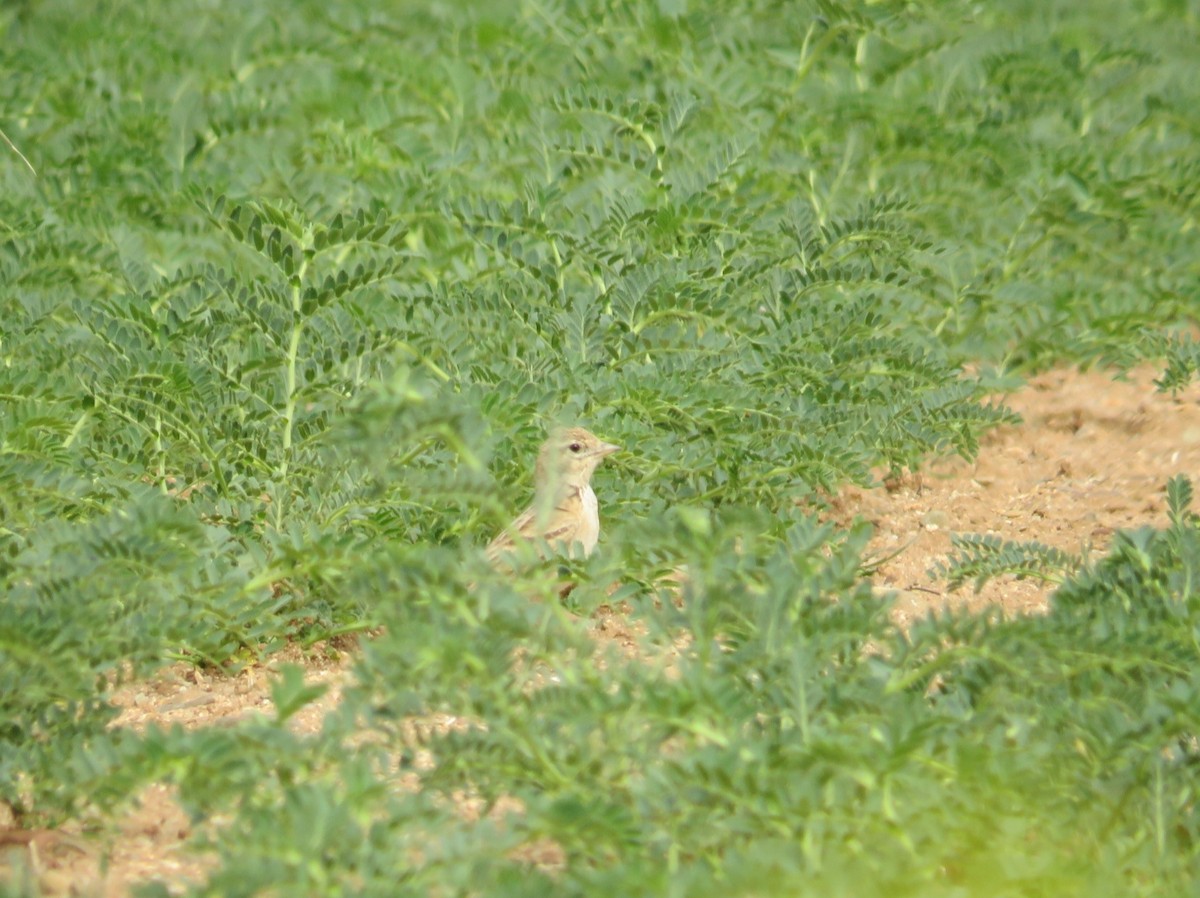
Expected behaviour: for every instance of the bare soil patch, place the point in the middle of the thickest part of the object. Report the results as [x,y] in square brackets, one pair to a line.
[1091,458]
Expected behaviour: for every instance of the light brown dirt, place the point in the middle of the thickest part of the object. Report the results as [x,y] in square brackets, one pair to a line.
[1091,457]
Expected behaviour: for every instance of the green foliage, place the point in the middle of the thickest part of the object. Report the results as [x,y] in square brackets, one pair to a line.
[1183,363]
[95,601]
[775,722]
[985,557]
[295,292]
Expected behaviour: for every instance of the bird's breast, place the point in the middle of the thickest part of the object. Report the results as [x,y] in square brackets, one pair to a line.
[589,526]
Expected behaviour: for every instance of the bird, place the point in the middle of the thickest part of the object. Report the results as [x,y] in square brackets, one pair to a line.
[564,512]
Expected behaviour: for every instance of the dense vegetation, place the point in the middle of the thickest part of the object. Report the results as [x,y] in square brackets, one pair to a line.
[296,290]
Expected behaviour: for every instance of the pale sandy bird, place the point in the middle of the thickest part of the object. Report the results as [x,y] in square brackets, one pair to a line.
[564,513]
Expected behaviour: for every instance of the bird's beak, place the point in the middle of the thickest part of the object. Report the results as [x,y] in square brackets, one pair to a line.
[607,449]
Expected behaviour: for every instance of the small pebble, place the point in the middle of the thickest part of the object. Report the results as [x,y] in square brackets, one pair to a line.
[935,520]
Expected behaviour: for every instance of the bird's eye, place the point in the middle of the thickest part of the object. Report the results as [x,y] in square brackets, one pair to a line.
[574,447]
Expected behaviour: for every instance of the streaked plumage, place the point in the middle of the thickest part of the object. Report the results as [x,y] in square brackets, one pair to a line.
[564,512]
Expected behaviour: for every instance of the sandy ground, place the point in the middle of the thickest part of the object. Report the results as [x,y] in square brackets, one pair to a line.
[1091,457]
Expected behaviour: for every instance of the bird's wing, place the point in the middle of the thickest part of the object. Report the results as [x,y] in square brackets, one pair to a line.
[565,521]
[506,539]
[561,527]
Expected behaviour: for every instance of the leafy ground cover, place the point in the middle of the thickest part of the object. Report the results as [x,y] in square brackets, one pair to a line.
[295,292]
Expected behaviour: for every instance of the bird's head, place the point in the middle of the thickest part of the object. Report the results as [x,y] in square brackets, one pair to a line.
[568,459]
